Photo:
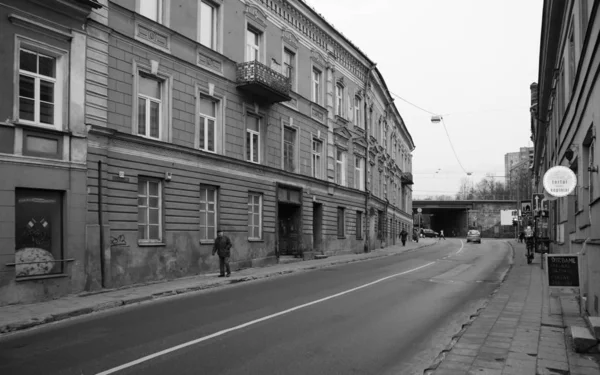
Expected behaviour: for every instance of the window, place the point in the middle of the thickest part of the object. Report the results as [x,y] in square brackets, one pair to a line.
[252,45]
[149,210]
[289,61]
[359,167]
[149,106]
[252,138]
[317,165]
[316,86]
[340,167]
[583,19]
[394,147]
[384,141]
[358,120]
[39,88]
[359,225]
[38,232]
[152,9]
[254,216]
[208,25]
[289,149]
[207,124]
[339,99]
[340,222]
[208,213]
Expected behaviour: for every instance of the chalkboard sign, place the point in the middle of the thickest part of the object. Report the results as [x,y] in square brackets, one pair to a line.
[563,270]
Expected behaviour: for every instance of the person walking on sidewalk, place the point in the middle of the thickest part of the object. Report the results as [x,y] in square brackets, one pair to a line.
[442,234]
[222,247]
[403,236]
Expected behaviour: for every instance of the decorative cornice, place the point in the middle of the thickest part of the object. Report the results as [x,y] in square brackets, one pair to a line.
[254,13]
[40,27]
[290,38]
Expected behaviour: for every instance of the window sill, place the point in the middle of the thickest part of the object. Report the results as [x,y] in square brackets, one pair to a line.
[206,242]
[595,200]
[151,244]
[341,237]
[578,212]
[256,240]
[42,128]
[584,226]
[41,277]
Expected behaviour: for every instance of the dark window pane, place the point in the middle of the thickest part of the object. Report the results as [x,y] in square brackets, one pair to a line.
[207,107]
[142,188]
[201,141]
[28,61]
[47,113]
[26,109]
[46,91]
[154,119]
[26,87]
[255,147]
[153,219]
[142,232]
[153,188]
[149,87]
[211,135]
[142,216]
[142,116]
[154,234]
[248,149]
[47,66]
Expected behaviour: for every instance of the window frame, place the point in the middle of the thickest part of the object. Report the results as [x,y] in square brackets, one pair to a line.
[340,166]
[165,127]
[359,183]
[216,120]
[216,215]
[216,24]
[341,222]
[339,99]
[317,163]
[250,133]
[284,126]
[316,85]
[358,120]
[148,101]
[258,48]
[61,88]
[147,180]
[260,216]
[359,225]
[286,51]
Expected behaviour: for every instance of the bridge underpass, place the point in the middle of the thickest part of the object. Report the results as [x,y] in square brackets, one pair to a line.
[459,216]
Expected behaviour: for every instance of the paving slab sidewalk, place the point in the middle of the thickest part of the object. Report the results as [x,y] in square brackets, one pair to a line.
[24,316]
[515,334]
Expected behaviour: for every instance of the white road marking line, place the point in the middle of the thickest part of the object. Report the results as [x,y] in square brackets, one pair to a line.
[462,246]
[220,333]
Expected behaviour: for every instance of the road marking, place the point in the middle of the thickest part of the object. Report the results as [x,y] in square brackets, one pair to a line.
[220,333]
[462,246]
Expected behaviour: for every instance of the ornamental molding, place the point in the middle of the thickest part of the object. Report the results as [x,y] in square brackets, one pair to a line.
[255,14]
[290,38]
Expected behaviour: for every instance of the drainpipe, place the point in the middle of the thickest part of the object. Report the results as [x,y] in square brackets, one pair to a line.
[367,246]
[101,222]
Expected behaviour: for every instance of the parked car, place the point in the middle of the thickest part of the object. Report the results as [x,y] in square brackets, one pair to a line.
[430,233]
[474,236]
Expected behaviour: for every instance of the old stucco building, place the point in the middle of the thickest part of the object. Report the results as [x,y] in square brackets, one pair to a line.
[42,149]
[565,113]
[256,117]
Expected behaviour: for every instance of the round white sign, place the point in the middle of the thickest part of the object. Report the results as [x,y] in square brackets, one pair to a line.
[560,181]
[419,210]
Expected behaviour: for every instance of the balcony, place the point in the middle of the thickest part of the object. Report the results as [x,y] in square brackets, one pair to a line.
[258,79]
[407,178]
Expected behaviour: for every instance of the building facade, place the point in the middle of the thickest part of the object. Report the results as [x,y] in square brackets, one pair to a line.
[42,149]
[256,117]
[564,126]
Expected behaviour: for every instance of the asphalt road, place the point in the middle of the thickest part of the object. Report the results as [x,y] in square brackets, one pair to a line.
[390,315]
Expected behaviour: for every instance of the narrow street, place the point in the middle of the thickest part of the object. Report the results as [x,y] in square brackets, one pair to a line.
[390,315]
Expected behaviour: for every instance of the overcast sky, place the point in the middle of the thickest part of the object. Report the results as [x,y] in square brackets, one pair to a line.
[471,61]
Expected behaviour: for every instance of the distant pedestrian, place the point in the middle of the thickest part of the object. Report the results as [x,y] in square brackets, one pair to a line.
[521,236]
[222,247]
[442,234]
[403,236]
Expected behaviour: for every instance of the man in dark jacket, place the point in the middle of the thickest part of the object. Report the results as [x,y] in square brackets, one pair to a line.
[403,236]
[222,246]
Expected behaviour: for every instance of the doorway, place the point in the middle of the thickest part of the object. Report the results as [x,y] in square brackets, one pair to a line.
[289,229]
[317,226]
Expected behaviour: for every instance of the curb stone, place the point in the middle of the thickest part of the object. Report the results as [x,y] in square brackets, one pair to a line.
[104,306]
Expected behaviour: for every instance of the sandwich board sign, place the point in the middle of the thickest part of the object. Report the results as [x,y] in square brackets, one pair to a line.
[562,271]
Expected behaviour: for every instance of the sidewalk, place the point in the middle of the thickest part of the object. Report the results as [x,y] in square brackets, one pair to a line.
[20,317]
[515,333]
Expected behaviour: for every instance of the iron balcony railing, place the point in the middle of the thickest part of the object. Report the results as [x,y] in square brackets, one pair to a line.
[271,83]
